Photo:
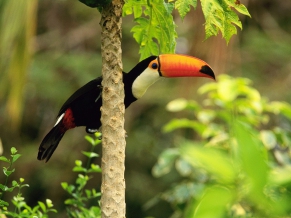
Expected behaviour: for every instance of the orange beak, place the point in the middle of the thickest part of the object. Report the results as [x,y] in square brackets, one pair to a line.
[176,65]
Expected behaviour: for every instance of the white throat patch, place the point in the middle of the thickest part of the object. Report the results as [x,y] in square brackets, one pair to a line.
[143,81]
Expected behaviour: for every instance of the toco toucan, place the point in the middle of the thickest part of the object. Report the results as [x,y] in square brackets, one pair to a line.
[83,107]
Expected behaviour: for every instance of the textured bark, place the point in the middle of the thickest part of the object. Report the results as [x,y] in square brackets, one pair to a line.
[113,133]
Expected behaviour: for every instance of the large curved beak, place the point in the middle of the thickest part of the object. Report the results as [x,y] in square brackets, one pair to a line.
[176,65]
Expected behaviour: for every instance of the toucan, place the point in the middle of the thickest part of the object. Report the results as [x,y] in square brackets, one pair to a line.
[83,107]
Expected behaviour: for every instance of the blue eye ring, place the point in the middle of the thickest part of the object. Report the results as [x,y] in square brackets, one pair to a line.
[155,66]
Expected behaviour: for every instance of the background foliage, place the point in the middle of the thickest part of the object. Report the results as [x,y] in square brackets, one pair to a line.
[66,49]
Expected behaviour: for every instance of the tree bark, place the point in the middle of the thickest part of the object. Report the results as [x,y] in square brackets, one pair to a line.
[113,133]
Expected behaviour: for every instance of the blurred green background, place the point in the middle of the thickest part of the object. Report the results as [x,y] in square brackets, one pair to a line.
[48,49]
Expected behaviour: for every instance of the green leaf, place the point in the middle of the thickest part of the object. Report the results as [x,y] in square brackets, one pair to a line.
[155,33]
[214,203]
[165,162]
[206,116]
[49,203]
[239,7]
[2,158]
[14,183]
[3,203]
[90,154]
[15,157]
[277,107]
[78,163]
[2,187]
[208,87]
[212,160]
[177,105]
[219,16]
[280,176]
[253,162]
[94,169]
[88,193]
[183,6]
[180,104]
[13,150]
[7,172]
[79,169]
[42,206]
[90,139]
[68,188]
[184,123]
[133,7]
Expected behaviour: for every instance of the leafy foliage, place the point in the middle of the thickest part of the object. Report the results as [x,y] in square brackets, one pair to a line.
[155,31]
[21,209]
[77,204]
[157,25]
[220,16]
[183,6]
[240,165]
[80,197]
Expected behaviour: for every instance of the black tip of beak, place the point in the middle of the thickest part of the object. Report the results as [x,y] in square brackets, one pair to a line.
[208,71]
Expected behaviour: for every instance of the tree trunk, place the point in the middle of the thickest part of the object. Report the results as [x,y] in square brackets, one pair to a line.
[113,133]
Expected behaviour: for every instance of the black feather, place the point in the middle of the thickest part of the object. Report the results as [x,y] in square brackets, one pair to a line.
[50,143]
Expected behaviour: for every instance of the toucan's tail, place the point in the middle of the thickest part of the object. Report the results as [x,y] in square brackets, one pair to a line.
[49,143]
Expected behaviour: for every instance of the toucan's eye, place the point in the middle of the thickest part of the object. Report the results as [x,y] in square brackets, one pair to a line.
[155,66]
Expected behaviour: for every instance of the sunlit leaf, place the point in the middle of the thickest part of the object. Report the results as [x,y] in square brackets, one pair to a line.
[2,158]
[184,123]
[90,139]
[49,203]
[15,157]
[155,32]
[183,6]
[253,162]
[90,154]
[280,107]
[227,90]
[42,206]
[94,169]
[78,162]
[7,172]
[220,16]
[177,105]
[206,116]
[79,169]
[280,176]
[13,150]
[212,160]
[208,87]
[214,203]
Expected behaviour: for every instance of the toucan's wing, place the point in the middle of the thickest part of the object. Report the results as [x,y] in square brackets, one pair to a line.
[93,84]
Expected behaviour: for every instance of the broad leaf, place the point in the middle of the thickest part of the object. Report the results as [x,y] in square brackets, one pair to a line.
[183,6]
[220,16]
[155,31]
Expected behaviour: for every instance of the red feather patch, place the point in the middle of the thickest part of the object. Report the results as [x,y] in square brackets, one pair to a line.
[68,120]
